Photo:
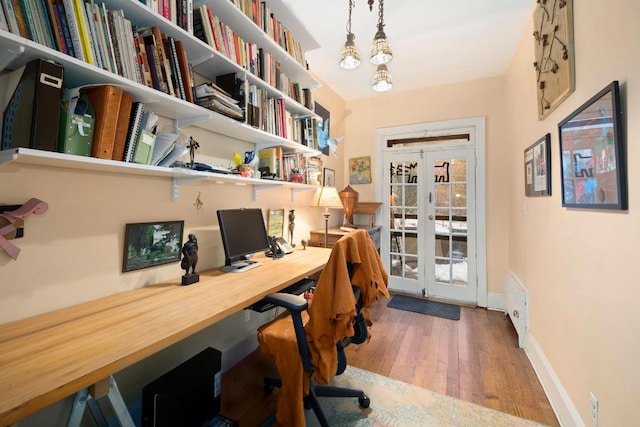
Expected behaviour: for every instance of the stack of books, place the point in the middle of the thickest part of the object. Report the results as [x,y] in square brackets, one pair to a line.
[213,97]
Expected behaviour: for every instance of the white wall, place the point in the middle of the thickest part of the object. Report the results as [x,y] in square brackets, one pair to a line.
[580,265]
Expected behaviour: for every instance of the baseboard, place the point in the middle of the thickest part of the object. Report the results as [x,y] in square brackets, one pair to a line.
[238,350]
[560,402]
[496,302]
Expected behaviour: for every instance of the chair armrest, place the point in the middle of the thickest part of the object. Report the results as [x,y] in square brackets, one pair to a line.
[293,303]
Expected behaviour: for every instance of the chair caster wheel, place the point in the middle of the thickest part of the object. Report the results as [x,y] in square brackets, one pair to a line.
[364,402]
[267,389]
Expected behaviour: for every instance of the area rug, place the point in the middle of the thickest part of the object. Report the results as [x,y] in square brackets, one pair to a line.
[398,404]
[432,308]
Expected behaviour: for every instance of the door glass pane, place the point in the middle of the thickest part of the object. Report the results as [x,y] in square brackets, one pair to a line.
[403,214]
[450,209]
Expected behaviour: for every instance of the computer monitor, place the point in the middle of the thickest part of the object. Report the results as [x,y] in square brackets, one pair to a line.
[243,233]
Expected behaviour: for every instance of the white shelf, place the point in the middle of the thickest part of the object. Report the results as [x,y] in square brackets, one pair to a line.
[179,176]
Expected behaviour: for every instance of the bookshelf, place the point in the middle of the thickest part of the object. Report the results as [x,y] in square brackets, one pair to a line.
[16,51]
[179,176]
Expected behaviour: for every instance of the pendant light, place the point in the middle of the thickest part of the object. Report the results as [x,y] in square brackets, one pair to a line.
[382,79]
[350,57]
[380,49]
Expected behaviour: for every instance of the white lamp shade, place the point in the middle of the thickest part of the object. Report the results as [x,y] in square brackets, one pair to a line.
[326,197]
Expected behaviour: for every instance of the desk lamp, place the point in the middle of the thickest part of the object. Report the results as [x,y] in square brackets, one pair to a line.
[327,198]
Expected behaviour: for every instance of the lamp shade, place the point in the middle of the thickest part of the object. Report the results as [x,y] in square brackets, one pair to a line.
[326,197]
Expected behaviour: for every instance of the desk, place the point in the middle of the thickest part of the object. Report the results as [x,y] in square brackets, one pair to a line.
[48,357]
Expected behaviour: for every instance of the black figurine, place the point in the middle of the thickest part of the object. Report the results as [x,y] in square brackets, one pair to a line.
[192,145]
[189,261]
[292,225]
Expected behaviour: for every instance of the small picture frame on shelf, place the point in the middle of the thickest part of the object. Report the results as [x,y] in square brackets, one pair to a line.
[329,177]
[148,244]
[314,171]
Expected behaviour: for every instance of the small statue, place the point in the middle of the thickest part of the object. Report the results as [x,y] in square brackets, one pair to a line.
[189,261]
[192,145]
[292,225]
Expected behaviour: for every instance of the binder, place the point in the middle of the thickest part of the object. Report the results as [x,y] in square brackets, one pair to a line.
[122,127]
[106,104]
[135,125]
[144,147]
[32,114]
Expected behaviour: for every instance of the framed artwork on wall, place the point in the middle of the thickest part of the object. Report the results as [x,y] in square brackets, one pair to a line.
[592,154]
[537,168]
[360,170]
[323,128]
[554,54]
[148,244]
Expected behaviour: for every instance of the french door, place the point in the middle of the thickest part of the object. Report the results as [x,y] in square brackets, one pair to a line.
[430,245]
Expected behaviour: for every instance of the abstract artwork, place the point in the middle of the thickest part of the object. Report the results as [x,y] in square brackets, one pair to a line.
[554,53]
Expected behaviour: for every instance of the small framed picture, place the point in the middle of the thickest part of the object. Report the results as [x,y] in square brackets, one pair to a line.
[360,170]
[537,168]
[275,222]
[148,244]
[329,177]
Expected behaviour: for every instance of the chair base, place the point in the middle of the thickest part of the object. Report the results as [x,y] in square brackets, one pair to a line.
[311,401]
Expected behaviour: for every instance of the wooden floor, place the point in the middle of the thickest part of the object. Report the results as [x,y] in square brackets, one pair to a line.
[476,359]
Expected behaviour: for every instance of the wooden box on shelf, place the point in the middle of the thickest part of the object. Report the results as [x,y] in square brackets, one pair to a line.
[317,236]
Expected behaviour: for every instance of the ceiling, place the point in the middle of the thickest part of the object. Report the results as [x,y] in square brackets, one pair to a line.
[434,42]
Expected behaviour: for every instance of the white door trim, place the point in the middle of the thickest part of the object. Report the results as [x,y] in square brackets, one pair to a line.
[440,127]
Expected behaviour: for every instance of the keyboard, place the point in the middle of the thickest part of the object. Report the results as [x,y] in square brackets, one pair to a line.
[297,288]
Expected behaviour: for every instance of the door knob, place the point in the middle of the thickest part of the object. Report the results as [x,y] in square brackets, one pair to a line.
[431,217]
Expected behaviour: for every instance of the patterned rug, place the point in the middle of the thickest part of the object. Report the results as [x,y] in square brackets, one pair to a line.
[394,403]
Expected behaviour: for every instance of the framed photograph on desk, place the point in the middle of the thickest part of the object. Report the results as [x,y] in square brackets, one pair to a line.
[275,222]
[148,244]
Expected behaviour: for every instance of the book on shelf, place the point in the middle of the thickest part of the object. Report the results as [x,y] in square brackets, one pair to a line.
[142,147]
[61,17]
[4,24]
[183,63]
[135,123]
[154,63]
[105,100]
[10,16]
[74,29]
[122,127]
[176,71]
[84,32]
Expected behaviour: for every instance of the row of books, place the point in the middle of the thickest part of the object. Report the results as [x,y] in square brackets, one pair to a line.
[103,121]
[211,30]
[180,12]
[272,160]
[105,38]
[268,114]
[260,13]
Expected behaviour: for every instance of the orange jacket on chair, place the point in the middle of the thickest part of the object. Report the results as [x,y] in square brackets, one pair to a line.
[330,321]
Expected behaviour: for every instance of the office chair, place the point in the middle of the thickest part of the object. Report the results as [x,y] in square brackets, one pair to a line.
[358,255]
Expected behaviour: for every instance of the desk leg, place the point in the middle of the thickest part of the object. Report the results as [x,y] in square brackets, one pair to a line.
[83,399]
